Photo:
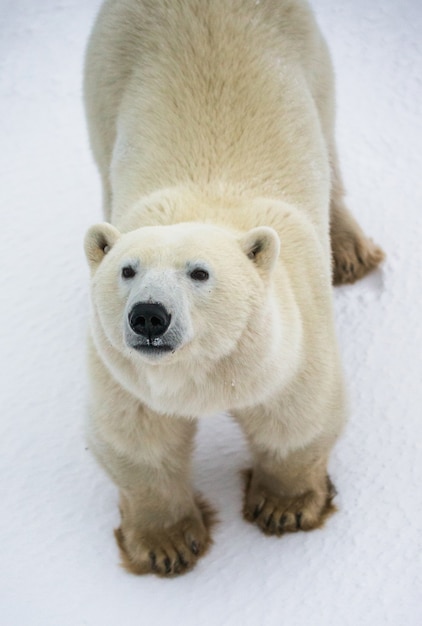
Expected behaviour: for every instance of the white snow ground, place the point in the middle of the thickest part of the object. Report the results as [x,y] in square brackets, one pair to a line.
[59,562]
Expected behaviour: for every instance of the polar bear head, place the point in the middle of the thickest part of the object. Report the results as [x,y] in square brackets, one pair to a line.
[185,291]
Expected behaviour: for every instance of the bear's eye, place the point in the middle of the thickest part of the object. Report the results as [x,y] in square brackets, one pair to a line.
[128,271]
[199,274]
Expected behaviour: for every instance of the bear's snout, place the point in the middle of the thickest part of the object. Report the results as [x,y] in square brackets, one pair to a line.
[149,319]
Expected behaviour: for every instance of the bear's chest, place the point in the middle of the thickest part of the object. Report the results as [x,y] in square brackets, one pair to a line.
[196,393]
[182,393]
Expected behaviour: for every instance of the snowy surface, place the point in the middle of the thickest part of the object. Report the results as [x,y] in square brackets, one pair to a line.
[58,559]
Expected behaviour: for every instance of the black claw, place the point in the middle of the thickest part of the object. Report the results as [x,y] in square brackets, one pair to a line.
[183,562]
[268,521]
[167,565]
[256,512]
[298,520]
[332,491]
[282,522]
[153,560]
[194,548]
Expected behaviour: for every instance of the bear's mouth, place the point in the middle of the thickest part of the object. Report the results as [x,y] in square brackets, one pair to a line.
[144,348]
[148,348]
[153,348]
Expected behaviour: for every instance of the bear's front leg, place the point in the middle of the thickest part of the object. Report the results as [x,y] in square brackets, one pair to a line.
[286,492]
[165,527]
[153,539]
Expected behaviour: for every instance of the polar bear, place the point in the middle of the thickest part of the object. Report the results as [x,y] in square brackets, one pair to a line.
[212,127]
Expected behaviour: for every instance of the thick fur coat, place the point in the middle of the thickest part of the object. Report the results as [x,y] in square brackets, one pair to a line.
[212,126]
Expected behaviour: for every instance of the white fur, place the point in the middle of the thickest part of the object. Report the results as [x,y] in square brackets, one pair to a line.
[209,120]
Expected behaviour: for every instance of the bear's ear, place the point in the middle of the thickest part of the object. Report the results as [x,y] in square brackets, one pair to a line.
[98,241]
[262,246]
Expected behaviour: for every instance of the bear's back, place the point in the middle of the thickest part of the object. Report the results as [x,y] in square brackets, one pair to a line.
[199,91]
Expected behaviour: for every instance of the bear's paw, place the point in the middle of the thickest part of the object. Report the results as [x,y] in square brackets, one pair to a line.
[277,514]
[167,551]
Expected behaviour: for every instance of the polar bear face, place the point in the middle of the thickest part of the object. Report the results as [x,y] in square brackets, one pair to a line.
[185,291]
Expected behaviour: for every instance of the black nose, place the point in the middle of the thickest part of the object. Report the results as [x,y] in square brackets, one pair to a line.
[149,319]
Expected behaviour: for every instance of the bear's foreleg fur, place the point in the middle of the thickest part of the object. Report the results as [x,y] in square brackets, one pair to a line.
[165,527]
[287,491]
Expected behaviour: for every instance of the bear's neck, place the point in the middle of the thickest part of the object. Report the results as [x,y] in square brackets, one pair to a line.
[236,207]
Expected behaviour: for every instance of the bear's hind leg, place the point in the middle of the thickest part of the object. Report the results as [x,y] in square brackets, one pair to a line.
[354,254]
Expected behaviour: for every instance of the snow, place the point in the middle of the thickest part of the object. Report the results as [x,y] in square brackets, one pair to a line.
[58,558]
